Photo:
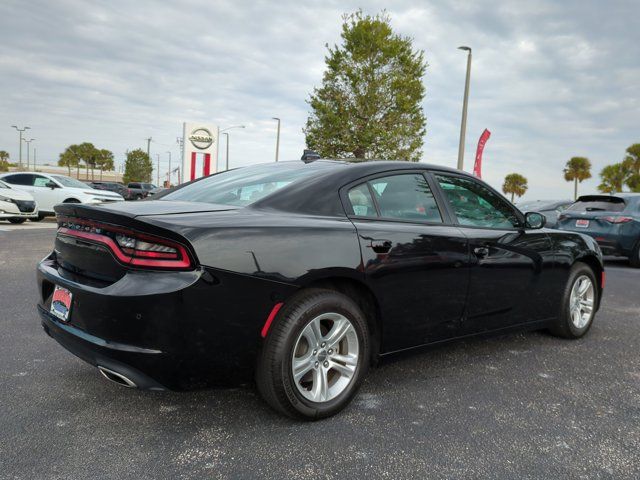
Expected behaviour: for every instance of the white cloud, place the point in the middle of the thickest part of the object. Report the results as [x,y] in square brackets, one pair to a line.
[550,79]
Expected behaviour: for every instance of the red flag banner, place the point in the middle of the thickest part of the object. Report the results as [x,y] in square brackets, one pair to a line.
[477,168]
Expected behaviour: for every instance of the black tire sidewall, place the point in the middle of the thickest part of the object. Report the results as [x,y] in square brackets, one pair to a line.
[567,323]
[295,317]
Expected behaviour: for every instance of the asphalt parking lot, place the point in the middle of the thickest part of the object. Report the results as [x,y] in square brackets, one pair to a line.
[519,406]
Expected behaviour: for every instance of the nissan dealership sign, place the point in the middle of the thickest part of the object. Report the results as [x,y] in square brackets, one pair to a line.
[200,154]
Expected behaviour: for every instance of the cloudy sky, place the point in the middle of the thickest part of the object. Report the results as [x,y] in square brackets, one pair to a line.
[550,79]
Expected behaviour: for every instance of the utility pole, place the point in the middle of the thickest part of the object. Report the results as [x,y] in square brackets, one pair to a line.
[463,126]
[169,152]
[28,142]
[277,138]
[158,169]
[20,130]
[34,159]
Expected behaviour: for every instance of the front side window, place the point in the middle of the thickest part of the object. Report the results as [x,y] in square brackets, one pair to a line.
[475,205]
[403,197]
[39,181]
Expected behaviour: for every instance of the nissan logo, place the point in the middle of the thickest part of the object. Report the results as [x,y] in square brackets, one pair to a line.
[201,138]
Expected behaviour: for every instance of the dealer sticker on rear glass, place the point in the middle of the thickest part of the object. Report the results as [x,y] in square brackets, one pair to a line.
[61,303]
[582,223]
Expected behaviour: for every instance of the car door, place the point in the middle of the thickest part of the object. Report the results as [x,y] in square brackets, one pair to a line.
[47,196]
[510,264]
[413,259]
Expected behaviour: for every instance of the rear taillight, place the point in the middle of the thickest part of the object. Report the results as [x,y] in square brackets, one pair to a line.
[129,247]
[616,219]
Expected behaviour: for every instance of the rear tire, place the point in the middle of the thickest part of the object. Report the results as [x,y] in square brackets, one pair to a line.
[634,259]
[323,334]
[17,220]
[579,302]
[39,218]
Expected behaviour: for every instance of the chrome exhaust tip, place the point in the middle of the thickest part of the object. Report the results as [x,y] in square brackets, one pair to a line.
[116,377]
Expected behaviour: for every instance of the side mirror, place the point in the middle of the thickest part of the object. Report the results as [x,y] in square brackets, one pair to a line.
[535,220]
[51,185]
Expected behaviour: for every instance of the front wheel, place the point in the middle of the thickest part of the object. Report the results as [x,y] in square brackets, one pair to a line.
[315,355]
[17,220]
[579,303]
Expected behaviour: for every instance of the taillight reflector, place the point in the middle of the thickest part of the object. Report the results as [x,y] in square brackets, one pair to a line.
[274,311]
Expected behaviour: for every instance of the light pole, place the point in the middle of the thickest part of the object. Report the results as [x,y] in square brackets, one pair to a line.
[227,147]
[34,159]
[169,152]
[463,126]
[227,144]
[20,130]
[158,169]
[277,138]
[28,142]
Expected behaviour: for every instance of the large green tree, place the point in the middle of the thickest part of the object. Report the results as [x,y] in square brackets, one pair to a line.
[4,161]
[613,177]
[632,162]
[138,167]
[370,101]
[86,153]
[577,170]
[515,184]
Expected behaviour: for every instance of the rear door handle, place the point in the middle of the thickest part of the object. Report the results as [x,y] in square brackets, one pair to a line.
[381,246]
[481,252]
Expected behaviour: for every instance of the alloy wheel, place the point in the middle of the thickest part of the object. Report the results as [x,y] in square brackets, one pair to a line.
[581,301]
[325,357]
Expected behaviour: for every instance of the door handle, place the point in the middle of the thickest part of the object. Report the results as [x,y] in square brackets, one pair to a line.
[481,252]
[381,246]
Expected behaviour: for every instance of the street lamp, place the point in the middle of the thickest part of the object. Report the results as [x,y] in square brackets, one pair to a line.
[463,126]
[20,130]
[227,141]
[277,137]
[28,142]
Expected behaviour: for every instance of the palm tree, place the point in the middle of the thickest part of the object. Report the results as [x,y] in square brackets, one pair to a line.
[632,162]
[613,177]
[4,161]
[515,184]
[577,170]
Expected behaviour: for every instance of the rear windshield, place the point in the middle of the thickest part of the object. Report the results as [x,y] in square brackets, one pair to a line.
[598,204]
[245,186]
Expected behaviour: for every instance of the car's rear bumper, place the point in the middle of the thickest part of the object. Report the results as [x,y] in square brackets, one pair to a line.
[174,330]
[125,360]
[609,243]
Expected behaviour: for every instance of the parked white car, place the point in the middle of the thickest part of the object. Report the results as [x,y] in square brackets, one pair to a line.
[16,205]
[51,189]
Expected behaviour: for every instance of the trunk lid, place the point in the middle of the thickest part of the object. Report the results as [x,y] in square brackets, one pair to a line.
[82,250]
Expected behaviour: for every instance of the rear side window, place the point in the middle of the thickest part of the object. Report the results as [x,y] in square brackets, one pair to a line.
[403,197]
[598,204]
[20,179]
[134,185]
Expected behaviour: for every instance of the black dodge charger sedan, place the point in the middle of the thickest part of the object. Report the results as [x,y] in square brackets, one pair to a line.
[302,275]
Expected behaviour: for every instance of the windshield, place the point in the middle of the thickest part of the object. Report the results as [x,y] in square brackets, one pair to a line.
[244,186]
[606,204]
[69,182]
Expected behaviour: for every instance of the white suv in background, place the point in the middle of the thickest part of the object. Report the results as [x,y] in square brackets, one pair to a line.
[16,205]
[51,189]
